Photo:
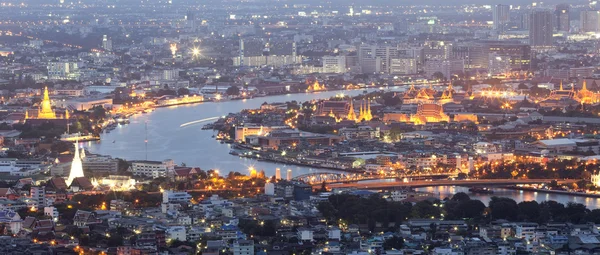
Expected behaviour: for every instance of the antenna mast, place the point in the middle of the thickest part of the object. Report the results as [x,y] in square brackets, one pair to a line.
[146,140]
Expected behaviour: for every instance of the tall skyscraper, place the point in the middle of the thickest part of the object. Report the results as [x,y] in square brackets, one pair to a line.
[541,28]
[589,21]
[241,52]
[277,173]
[106,43]
[289,175]
[563,17]
[501,16]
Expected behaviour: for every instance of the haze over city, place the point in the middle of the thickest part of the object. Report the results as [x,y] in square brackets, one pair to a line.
[364,127]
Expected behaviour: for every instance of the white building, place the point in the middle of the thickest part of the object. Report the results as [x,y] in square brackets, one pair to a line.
[176,233]
[403,66]
[62,70]
[171,74]
[243,247]
[52,212]
[170,196]
[446,67]
[498,64]
[334,233]
[525,230]
[13,165]
[153,169]
[305,234]
[484,148]
[334,64]
[269,189]
[398,196]
[12,219]
[38,194]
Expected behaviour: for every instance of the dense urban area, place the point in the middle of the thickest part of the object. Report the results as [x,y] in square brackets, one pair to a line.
[336,127]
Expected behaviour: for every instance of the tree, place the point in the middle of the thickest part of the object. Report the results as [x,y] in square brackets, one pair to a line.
[471,208]
[327,209]
[183,91]
[438,76]
[529,210]
[503,208]
[593,216]
[460,196]
[323,187]
[393,243]
[233,91]
[522,86]
[425,209]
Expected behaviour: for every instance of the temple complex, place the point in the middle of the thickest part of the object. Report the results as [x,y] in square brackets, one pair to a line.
[365,111]
[315,86]
[428,96]
[45,113]
[563,97]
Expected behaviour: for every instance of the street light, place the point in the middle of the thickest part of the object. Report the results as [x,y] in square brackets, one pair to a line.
[195,52]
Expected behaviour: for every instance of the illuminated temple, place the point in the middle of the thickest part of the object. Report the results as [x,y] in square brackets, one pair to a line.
[428,96]
[341,110]
[428,113]
[562,97]
[315,86]
[45,113]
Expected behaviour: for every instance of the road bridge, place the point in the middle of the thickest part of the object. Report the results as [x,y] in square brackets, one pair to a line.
[330,177]
[433,183]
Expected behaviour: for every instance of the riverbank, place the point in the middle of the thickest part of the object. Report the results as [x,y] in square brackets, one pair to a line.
[287,161]
[167,138]
[563,192]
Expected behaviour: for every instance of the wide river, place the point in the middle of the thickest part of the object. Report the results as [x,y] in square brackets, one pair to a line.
[195,147]
[189,144]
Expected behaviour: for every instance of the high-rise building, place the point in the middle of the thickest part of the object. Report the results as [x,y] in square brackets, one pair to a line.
[277,173]
[562,17]
[334,64]
[106,43]
[38,194]
[519,54]
[589,21]
[501,16]
[289,175]
[376,58]
[541,28]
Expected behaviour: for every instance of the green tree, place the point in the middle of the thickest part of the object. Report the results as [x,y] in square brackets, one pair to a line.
[529,210]
[471,208]
[393,243]
[503,208]
[233,91]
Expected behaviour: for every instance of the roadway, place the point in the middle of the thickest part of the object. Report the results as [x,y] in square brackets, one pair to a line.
[419,184]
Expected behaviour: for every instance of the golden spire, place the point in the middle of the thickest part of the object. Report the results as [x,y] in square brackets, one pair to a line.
[369,115]
[67,114]
[561,85]
[351,113]
[26,114]
[46,111]
[584,88]
[361,114]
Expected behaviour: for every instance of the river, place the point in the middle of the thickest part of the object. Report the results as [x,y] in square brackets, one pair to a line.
[189,144]
[196,147]
[518,195]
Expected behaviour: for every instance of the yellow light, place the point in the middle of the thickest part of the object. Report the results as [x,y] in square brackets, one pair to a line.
[195,52]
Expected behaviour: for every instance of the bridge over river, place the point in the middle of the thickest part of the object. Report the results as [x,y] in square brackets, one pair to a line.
[433,183]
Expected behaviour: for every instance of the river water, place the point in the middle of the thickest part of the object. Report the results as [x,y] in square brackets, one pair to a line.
[189,144]
[518,195]
[196,147]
